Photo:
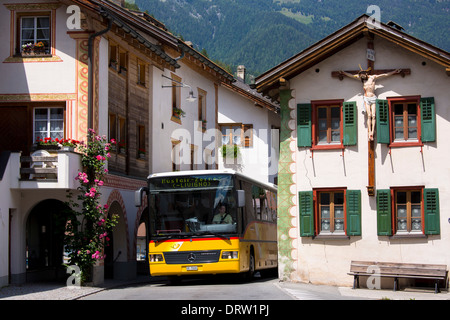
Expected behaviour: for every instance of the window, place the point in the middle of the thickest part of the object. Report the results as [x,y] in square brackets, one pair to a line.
[48,123]
[113,50]
[237,134]
[141,152]
[408,211]
[122,62]
[202,109]
[406,121]
[122,138]
[35,35]
[176,159]
[176,92]
[141,73]
[330,212]
[330,124]
[113,129]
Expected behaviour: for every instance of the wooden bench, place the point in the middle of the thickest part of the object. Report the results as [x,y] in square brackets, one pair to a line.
[398,270]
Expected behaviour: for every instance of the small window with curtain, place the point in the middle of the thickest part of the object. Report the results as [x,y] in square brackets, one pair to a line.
[35,35]
[48,123]
[331,211]
[327,124]
[408,210]
[237,134]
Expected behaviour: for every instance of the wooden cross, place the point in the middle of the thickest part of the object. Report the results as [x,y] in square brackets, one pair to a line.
[371,147]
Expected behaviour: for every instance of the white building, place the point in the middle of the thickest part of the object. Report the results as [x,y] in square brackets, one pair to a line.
[251,122]
[342,197]
[130,92]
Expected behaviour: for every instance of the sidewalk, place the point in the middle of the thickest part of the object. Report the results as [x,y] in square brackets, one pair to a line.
[305,291]
[59,291]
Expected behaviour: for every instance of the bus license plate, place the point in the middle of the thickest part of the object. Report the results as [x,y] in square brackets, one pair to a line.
[191,268]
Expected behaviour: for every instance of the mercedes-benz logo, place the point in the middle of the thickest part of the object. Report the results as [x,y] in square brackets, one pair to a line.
[191,257]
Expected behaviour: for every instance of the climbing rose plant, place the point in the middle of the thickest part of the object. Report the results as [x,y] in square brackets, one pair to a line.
[88,227]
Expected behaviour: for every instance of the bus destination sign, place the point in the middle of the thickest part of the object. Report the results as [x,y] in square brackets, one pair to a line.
[198,182]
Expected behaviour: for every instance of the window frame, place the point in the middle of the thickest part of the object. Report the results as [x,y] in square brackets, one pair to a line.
[202,109]
[17,38]
[394,203]
[246,134]
[317,193]
[140,142]
[315,106]
[49,121]
[404,100]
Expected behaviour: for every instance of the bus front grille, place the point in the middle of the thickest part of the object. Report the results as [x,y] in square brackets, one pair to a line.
[192,257]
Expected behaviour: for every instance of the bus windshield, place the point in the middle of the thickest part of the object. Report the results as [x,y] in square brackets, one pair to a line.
[192,206]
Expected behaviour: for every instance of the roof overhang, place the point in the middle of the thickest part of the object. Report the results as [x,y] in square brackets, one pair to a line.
[268,84]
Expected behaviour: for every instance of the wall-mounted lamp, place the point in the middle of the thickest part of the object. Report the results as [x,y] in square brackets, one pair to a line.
[190,97]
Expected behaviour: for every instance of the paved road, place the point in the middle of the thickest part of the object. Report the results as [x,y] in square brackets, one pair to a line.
[208,288]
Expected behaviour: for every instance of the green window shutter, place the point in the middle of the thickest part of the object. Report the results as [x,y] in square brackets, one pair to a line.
[306,213]
[304,138]
[431,203]
[350,123]
[382,121]
[353,212]
[428,119]
[384,222]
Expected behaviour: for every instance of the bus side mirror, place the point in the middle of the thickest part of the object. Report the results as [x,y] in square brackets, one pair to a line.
[138,196]
[240,198]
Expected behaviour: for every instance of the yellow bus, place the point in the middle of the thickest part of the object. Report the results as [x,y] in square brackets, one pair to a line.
[210,222]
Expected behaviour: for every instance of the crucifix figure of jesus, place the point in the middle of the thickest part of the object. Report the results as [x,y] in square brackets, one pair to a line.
[369,81]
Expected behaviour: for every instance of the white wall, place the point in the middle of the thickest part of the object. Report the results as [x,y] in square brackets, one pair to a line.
[328,261]
[254,161]
[164,129]
[39,77]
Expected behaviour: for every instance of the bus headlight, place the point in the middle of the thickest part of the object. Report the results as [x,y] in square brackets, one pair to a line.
[155,257]
[229,254]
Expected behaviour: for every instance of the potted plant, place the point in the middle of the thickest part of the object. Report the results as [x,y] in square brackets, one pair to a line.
[230,151]
[69,144]
[47,144]
[141,153]
[39,48]
[122,147]
[178,113]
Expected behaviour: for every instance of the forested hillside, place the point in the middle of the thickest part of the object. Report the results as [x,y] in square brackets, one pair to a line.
[262,33]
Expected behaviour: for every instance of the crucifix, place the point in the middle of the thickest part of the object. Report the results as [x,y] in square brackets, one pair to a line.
[368,78]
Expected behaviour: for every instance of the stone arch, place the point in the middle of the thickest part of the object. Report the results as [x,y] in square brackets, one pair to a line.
[116,196]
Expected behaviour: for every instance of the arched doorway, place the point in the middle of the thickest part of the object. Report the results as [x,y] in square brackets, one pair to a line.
[45,241]
[117,251]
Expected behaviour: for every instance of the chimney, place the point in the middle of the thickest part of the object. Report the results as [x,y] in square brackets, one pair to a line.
[119,2]
[241,73]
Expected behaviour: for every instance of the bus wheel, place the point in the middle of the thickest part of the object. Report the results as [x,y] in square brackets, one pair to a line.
[251,267]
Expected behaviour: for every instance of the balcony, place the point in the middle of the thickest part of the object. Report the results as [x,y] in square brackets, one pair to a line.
[43,171]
